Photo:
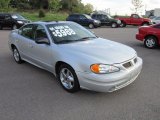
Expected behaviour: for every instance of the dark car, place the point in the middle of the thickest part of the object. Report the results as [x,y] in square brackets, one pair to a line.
[84,20]
[106,20]
[13,21]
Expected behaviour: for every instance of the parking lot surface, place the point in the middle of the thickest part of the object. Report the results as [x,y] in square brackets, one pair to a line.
[30,93]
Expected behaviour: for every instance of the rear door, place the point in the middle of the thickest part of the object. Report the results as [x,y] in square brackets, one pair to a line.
[26,34]
[105,19]
[82,20]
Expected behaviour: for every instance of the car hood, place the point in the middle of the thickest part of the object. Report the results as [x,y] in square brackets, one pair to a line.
[24,20]
[101,50]
[146,19]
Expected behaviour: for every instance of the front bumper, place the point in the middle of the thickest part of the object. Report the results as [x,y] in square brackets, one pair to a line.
[110,82]
[97,24]
[139,37]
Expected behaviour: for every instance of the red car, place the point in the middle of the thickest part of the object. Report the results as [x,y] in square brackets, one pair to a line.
[150,35]
[134,19]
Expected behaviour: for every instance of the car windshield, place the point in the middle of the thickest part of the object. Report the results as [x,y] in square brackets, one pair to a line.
[17,17]
[87,16]
[109,17]
[69,32]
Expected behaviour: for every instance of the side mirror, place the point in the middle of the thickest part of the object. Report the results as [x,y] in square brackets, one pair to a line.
[42,41]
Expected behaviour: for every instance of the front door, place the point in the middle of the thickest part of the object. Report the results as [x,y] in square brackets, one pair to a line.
[41,53]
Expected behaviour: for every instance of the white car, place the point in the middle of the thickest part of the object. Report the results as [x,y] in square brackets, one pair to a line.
[76,56]
[156,20]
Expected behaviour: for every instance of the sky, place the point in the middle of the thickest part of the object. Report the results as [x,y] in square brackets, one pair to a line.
[122,7]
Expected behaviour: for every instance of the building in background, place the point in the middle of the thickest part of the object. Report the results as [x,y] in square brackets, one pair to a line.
[155,12]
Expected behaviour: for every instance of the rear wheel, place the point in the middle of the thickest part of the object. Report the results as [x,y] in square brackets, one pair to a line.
[68,78]
[91,26]
[151,42]
[114,25]
[16,55]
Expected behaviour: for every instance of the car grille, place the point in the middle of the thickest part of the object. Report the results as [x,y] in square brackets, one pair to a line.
[130,63]
[127,65]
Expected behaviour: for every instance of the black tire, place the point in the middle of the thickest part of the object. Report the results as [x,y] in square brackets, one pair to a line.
[1,28]
[91,26]
[150,42]
[14,27]
[123,24]
[114,25]
[62,74]
[16,55]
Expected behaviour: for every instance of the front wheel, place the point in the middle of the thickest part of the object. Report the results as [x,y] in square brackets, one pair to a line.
[91,26]
[114,25]
[151,42]
[17,56]
[68,78]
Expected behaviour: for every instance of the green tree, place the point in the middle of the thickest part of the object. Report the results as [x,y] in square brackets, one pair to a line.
[79,8]
[88,8]
[137,5]
[70,4]
[4,5]
[54,5]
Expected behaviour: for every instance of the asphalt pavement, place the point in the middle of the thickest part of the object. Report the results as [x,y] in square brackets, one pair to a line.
[30,93]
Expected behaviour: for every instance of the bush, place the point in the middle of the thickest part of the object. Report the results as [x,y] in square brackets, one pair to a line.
[23,6]
[41,13]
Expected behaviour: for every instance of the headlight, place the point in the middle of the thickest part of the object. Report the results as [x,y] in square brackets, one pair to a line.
[118,21]
[20,22]
[103,68]
[96,21]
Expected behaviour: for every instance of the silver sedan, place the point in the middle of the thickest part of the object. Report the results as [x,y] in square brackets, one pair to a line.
[77,57]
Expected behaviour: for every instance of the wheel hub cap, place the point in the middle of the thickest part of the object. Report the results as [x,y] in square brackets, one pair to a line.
[67,78]
[150,42]
[16,55]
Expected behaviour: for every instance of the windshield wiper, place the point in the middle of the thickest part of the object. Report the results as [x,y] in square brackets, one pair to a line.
[70,41]
[85,38]
[64,41]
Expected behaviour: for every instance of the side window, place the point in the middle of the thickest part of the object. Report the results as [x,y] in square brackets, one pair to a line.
[27,31]
[94,17]
[7,17]
[71,17]
[135,16]
[158,18]
[82,17]
[99,17]
[103,17]
[40,33]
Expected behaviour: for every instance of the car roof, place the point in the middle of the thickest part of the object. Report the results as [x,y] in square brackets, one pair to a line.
[50,22]
[77,14]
